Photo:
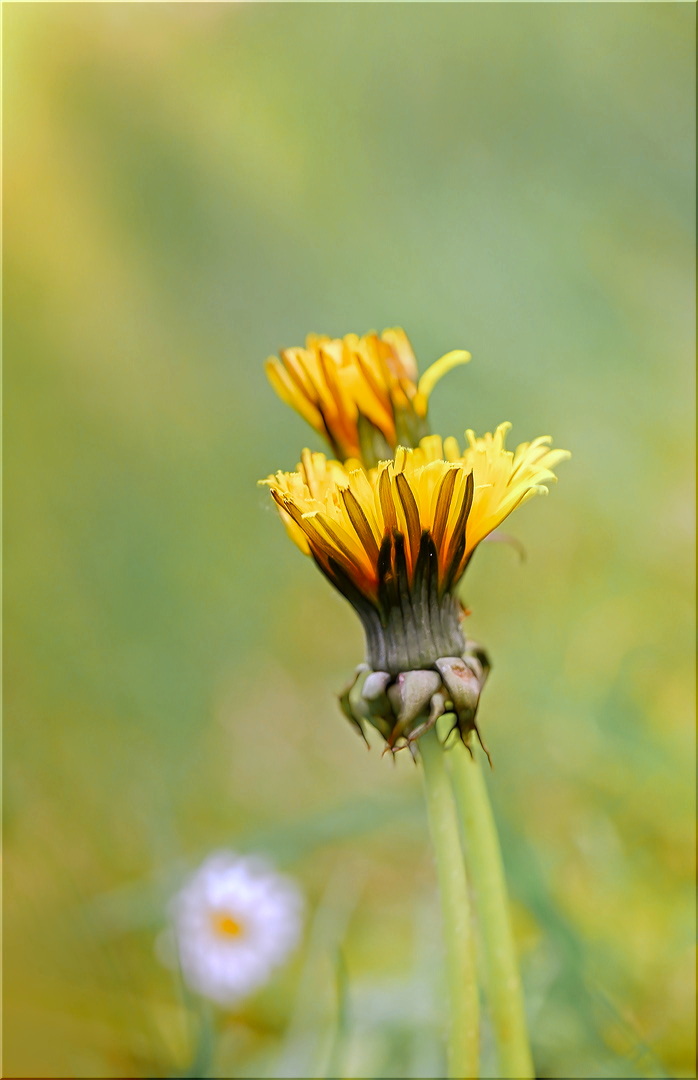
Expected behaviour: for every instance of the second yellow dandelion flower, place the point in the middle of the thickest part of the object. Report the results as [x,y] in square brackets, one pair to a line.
[362,394]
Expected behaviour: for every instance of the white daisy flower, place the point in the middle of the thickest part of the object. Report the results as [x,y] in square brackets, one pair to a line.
[235,920]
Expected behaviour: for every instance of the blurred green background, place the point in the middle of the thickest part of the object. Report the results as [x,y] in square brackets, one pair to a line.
[188,189]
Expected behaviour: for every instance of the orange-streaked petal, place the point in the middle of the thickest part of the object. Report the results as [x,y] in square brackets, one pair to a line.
[455,499]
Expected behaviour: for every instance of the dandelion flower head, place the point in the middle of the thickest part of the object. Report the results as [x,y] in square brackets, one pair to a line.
[362,394]
[396,539]
[395,520]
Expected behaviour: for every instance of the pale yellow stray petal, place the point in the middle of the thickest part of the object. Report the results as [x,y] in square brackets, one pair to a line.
[433,374]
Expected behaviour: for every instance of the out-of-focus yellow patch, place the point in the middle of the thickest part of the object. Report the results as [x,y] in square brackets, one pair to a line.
[226,925]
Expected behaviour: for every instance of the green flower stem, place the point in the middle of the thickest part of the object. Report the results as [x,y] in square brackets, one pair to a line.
[501,969]
[455,907]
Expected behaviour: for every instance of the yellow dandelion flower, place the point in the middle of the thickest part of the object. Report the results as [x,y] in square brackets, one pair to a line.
[362,394]
[396,539]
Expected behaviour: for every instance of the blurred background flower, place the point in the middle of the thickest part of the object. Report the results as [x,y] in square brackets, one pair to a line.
[235,921]
[188,188]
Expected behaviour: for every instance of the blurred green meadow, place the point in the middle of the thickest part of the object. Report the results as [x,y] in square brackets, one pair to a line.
[189,188]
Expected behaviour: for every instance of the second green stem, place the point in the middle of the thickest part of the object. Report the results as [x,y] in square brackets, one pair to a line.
[455,907]
[501,969]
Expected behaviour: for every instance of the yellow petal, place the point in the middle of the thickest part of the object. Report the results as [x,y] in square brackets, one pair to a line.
[289,392]
[432,375]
